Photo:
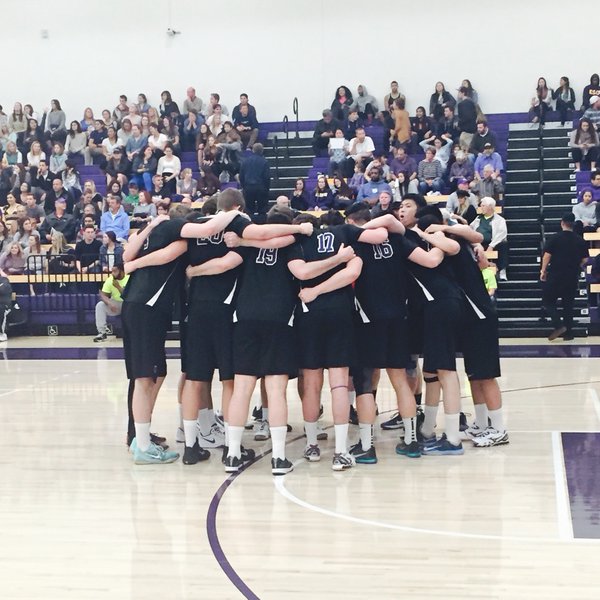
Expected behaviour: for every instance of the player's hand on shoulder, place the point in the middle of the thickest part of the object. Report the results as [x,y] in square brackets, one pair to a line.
[435,227]
[231,239]
[346,253]
[306,228]
[158,220]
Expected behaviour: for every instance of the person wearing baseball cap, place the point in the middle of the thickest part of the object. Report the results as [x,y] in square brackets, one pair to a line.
[593,112]
[488,157]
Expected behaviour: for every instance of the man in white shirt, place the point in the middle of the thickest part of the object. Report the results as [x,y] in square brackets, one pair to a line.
[361,148]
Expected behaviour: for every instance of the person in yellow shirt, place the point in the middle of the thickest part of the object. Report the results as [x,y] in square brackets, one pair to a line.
[111,301]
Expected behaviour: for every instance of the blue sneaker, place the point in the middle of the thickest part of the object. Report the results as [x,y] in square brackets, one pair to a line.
[425,441]
[155,455]
[412,450]
[443,448]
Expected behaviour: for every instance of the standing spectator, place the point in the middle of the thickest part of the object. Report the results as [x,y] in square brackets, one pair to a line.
[422,126]
[585,213]
[59,221]
[299,197]
[488,157]
[401,133]
[94,146]
[365,104]
[541,102]
[121,110]
[87,252]
[143,169]
[324,130]
[167,107]
[58,191]
[467,118]
[488,185]
[111,301]
[439,98]
[76,140]
[390,99]
[255,179]
[593,89]
[245,122]
[338,151]
[430,173]
[340,107]
[593,112]
[191,102]
[483,136]
[321,197]
[565,98]
[564,256]
[492,227]
[584,144]
[360,149]
[56,129]
[371,189]
[471,92]
[115,219]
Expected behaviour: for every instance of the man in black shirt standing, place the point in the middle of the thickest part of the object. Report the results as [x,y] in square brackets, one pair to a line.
[255,180]
[564,256]
[467,118]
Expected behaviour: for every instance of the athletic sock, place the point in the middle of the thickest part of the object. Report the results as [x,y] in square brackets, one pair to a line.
[497,419]
[352,398]
[452,430]
[142,436]
[481,416]
[180,416]
[265,414]
[235,441]
[278,440]
[428,426]
[190,428]
[418,398]
[226,427]
[364,430]
[311,433]
[410,430]
[341,438]
[204,422]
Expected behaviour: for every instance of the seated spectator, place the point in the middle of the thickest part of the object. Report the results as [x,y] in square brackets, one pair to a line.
[402,163]
[132,199]
[452,201]
[170,129]
[58,191]
[60,258]
[357,179]
[488,185]
[352,124]
[56,129]
[159,192]
[118,167]
[70,179]
[97,199]
[321,198]
[17,122]
[136,143]
[156,140]
[12,262]
[186,185]
[541,103]
[299,197]
[216,121]
[115,218]
[192,102]
[209,207]
[565,98]
[76,142]
[88,121]
[438,100]
[201,140]
[584,144]
[422,126]
[169,167]
[442,147]
[461,169]
[109,145]
[126,131]
[383,205]
[60,221]
[121,110]
[143,212]
[87,252]
[33,209]
[370,190]
[229,156]
[365,104]
[25,230]
[360,149]
[324,130]
[462,206]
[10,210]
[111,252]
[401,133]
[430,172]
[189,131]
[114,188]
[143,168]
[34,156]
[214,101]
[5,235]
[402,186]
[94,145]
[488,157]
[208,183]
[338,152]
[41,184]
[448,127]
[484,135]
[34,133]
[245,122]
[34,260]
[342,194]
[167,107]
[589,91]
[111,301]
[380,160]
[340,107]
[133,117]
[86,221]
[595,187]
[585,213]
[492,227]
[108,120]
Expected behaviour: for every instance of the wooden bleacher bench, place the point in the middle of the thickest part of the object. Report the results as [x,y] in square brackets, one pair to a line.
[436,199]
[594,252]
[491,254]
[595,288]
[72,278]
[592,237]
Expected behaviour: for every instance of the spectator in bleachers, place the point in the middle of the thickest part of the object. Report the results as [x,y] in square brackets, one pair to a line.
[89,217]
[17,122]
[145,124]
[108,120]
[299,197]
[439,98]
[34,156]
[442,147]
[111,252]
[156,140]
[488,157]
[216,120]
[340,107]
[76,141]
[87,252]
[358,178]
[126,131]
[85,200]
[41,184]
[383,205]
[34,261]
[12,165]
[380,160]
[142,104]
[365,104]
[143,168]
[488,185]
[132,198]
[448,127]
[59,220]
[461,169]
[229,145]
[118,167]
[114,188]
[136,143]
[192,102]
[34,133]
[10,209]
[324,130]
[467,118]
[370,190]
[189,132]
[60,258]
[12,261]
[58,191]
[94,145]
[565,98]
[255,179]
[342,194]
[430,172]
[88,121]
[401,186]
[187,186]
[352,124]
[5,236]
[492,227]
[338,153]
[70,179]
[360,149]
[121,110]
[422,126]
[167,107]
[56,128]
[321,197]
[470,91]
[483,136]
[201,139]
[401,133]
[462,205]
[403,163]
[169,167]
[245,122]
[214,101]
[593,89]
[170,129]
[210,154]
[109,144]
[115,219]
[144,211]
[111,301]
[33,209]
[96,197]
[584,144]
[133,117]
[595,187]
[152,116]
[390,99]
[541,102]
[585,213]
[30,113]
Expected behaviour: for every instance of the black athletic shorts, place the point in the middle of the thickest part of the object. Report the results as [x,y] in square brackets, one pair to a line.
[326,339]
[442,321]
[183,329]
[480,348]
[382,344]
[144,335]
[264,348]
[209,342]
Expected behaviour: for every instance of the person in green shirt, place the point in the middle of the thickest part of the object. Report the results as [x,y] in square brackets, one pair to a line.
[111,301]
[133,197]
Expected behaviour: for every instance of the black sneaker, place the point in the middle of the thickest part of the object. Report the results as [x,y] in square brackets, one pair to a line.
[195,454]
[462,420]
[413,449]
[394,423]
[289,428]
[257,413]
[364,457]
[247,454]
[159,441]
[320,411]
[232,464]
[101,337]
[568,336]
[353,418]
[281,466]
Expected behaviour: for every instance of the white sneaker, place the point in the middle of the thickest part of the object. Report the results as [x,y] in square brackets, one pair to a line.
[3,337]
[180,436]
[215,438]
[261,431]
[502,275]
[474,431]
[341,462]
[491,437]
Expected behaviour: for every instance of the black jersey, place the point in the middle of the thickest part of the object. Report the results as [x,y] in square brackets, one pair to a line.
[157,286]
[214,288]
[430,284]
[381,289]
[267,290]
[321,245]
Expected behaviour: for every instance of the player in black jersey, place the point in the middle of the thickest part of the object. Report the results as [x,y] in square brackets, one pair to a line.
[381,327]
[326,332]
[479,337]
[152,257]
[436,296]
